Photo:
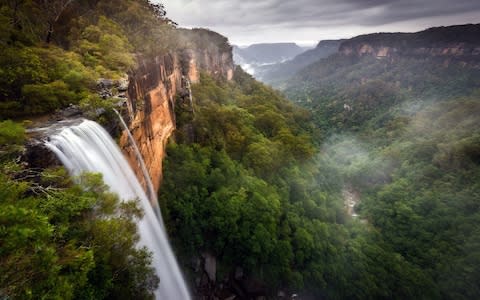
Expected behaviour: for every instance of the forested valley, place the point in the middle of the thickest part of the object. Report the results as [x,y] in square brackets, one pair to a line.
[399,134]
[259,179]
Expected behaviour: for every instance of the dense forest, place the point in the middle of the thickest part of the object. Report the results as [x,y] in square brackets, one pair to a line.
[252,178]
[244,181]
[403,133]
[414,162]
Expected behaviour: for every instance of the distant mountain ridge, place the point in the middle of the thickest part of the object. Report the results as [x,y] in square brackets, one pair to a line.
[268,53]
[275,74]
[437,63]
[458,40]
[458,43]
[255,56]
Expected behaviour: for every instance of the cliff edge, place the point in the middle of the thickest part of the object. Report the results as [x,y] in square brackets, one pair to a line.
[154,86]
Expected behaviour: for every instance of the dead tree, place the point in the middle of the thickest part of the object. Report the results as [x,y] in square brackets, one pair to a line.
[53,10]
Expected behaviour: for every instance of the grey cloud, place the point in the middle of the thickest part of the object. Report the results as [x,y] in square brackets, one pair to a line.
[411,10]
[239,17]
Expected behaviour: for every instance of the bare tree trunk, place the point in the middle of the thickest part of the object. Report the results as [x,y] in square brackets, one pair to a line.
[49,33]
[54,10]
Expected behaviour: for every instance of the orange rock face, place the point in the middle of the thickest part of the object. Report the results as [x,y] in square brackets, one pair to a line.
[152,90]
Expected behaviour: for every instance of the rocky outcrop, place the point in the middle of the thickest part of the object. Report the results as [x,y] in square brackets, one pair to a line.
[234,285]
[151,95]
[217,63]
[460,42]
[152,91]
[37,156]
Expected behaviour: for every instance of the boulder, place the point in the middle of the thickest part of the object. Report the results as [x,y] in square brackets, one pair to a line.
[36,155]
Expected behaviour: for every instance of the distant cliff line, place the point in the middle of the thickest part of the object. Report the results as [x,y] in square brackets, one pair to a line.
[456,41]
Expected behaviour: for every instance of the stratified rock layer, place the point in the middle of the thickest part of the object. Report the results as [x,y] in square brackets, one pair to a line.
[152,90]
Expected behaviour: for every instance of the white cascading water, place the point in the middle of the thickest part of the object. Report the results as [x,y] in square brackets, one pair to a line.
[190,98]
[87,147]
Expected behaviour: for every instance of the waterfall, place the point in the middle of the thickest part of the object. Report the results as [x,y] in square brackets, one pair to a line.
[148,181]
[87,147]
[189,88]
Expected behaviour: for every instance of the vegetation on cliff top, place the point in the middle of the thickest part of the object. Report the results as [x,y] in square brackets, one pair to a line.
[53,52]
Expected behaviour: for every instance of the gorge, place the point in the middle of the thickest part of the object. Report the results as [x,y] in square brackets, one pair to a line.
[362,184]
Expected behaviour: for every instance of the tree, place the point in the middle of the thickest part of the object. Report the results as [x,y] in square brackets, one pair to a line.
[15,6]
[53,10]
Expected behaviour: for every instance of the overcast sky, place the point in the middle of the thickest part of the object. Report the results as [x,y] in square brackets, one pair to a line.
[308,21]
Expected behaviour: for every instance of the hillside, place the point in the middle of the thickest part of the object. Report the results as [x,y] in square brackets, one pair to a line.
[254,57]
[246,187]
[278,73]
[375,72]
[460,40]
[267,53]
[401,113]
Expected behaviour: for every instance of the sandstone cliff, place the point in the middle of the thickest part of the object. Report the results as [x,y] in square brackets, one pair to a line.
[152,91]
[461,42]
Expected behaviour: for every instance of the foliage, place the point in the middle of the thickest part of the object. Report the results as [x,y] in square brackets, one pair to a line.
[105,48]
[242,183]
[242,180]
[30,87]
[403,133]
[12,137]
[54,51]
[431,194]
[373,87]
[201,38]
[11,133]
[61,240]
[47,97]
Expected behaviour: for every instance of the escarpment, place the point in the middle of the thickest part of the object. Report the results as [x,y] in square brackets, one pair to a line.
[153,88]
[458,42]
